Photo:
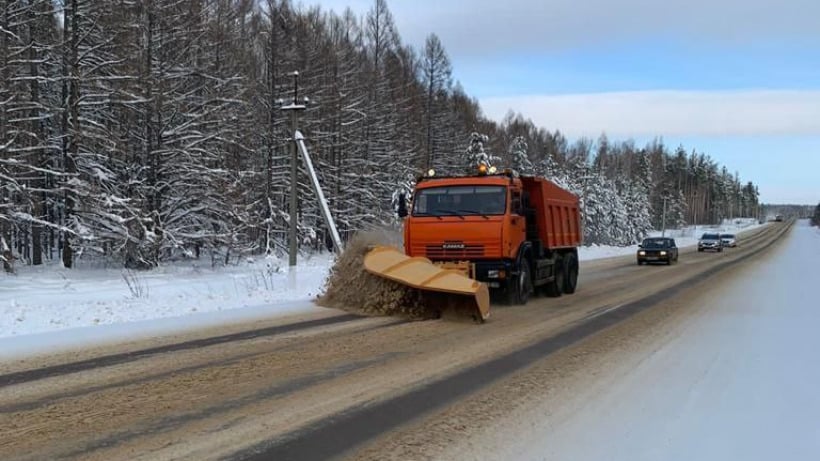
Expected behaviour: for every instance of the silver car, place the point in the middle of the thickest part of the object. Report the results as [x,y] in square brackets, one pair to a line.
[711,242]
[728,240]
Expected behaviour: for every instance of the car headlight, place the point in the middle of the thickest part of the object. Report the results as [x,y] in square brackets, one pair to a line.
[642,253]
[663,253]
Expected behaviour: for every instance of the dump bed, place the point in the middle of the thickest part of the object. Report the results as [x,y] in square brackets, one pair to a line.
[557,213]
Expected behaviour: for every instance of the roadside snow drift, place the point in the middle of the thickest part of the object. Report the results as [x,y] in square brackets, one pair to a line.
[49,298]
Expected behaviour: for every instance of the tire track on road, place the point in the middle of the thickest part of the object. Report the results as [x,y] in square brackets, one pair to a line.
[337,435]
[36,374]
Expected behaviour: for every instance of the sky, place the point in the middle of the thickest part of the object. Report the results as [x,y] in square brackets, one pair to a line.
[736,79]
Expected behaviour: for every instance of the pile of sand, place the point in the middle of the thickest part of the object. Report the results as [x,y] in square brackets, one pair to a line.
[349,287]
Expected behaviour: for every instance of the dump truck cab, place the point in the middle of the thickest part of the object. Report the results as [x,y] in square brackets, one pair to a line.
[515,234]
[467,222]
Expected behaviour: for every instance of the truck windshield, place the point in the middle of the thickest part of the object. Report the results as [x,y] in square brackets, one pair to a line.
[460,201]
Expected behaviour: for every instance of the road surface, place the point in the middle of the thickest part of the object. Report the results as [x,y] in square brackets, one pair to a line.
[331,385]
[735,376]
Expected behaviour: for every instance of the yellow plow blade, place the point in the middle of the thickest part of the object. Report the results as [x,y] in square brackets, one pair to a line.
[421,273]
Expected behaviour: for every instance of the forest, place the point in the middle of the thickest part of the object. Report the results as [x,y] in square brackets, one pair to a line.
[142,132]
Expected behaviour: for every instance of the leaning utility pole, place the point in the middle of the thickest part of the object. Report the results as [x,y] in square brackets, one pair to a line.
[294,109]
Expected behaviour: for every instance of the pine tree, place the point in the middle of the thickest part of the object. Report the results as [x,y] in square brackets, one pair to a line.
[475,154]
[635,197]
[520,157]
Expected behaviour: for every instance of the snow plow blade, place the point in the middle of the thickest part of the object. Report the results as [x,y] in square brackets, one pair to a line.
[420,273]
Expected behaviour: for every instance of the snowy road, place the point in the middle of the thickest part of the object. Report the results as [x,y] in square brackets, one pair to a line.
[322,384]
[736,377]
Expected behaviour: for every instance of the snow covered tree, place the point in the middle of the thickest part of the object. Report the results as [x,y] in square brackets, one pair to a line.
[676,211]
[602,159]
[96,206]
[548,167]
[9,185]
[28,83]
[147,131]
[520,158]
[436,74]
[6,257]
[635,197]
[475,154]
[380,153]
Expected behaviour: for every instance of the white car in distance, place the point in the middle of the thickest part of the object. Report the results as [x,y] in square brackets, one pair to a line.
[728,240]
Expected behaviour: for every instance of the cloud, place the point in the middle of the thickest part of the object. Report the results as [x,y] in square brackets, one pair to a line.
[668,113]
[486,27]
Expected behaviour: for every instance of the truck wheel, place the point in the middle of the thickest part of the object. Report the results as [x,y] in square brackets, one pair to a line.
[556,286]
[524,283]
[570,274]
[520,287]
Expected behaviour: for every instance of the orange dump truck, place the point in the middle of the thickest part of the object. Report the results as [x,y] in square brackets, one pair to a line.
[515,235]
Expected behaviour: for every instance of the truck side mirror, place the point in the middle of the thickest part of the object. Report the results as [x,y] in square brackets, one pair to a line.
[402,211]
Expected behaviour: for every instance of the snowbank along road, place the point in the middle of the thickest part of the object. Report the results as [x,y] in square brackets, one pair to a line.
[327,385]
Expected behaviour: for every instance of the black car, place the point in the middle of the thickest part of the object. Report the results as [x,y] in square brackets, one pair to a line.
[657,250]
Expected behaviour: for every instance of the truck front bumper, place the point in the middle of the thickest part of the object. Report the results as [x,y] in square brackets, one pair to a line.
[493,273]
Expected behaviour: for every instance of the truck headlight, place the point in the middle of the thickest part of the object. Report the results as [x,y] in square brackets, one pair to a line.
[642,253]
[496,274]
[663,253]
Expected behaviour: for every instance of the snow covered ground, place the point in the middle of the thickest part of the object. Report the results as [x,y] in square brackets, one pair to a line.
[53,307]
[737,381]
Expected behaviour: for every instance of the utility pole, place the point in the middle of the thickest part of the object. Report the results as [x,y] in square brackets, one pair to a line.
[695,210]
[663,218]
[294,109]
